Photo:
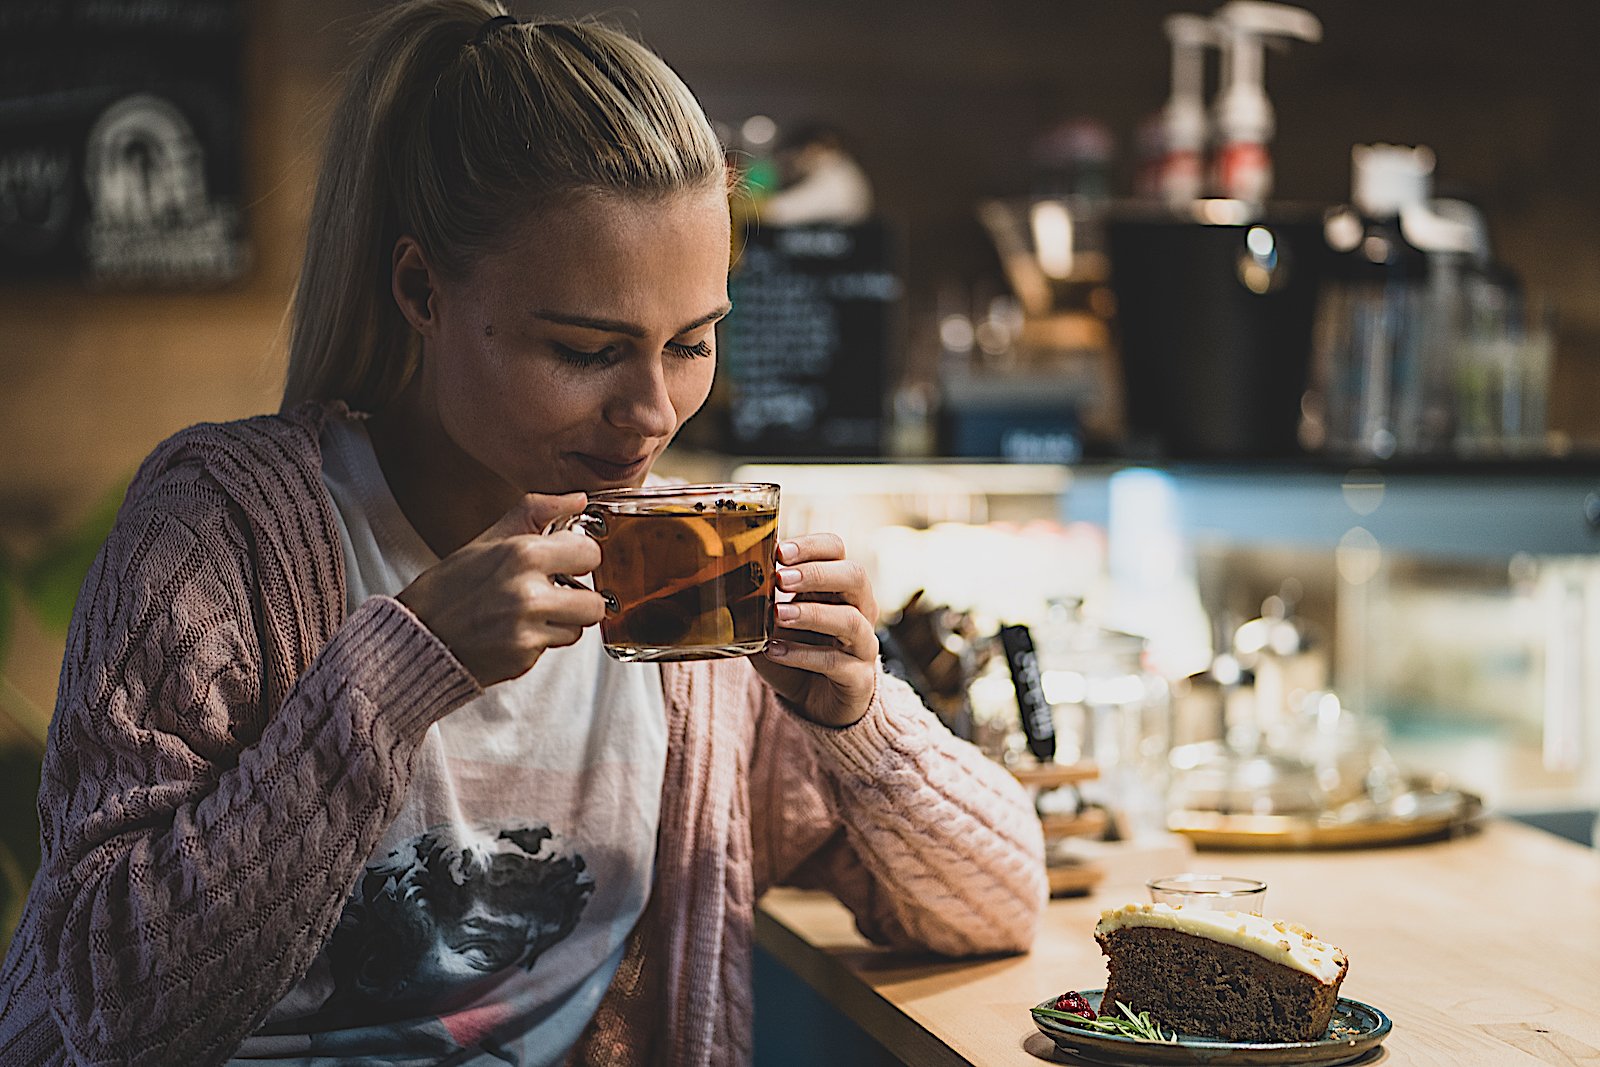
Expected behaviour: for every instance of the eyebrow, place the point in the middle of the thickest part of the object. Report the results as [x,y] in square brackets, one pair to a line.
[589,322]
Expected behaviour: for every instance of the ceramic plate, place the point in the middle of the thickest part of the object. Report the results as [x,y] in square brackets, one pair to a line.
[1355,1030]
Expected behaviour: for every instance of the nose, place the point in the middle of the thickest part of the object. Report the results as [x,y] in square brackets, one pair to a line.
[643,403]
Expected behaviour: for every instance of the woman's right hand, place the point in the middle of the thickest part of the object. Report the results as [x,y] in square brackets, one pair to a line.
[492,601]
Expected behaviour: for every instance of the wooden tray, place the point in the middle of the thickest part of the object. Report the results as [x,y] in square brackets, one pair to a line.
[1427,811]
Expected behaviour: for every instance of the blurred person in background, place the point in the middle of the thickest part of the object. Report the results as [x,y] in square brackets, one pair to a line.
[337,772]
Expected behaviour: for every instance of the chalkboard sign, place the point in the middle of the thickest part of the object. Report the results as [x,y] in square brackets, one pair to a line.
[806,351]
[120,137]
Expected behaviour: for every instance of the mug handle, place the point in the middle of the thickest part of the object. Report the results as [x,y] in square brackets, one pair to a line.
[585,522]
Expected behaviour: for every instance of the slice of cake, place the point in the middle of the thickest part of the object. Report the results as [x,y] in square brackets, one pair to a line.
[1222,974]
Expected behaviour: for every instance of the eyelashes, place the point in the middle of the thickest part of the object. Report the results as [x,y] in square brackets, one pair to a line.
[579,358]
[698,350]
[602,356]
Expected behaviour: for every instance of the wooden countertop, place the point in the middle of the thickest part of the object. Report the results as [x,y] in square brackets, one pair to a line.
[1483,950]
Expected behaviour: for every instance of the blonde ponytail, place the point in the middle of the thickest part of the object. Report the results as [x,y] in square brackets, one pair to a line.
[452,140]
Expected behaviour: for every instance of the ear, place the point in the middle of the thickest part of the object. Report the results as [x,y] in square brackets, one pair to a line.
[414,284]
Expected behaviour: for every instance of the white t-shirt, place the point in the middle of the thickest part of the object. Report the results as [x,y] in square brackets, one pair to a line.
[490,921]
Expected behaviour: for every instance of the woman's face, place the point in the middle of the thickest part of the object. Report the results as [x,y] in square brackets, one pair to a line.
[569,360]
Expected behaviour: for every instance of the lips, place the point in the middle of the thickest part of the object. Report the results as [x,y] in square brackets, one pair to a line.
[614,468]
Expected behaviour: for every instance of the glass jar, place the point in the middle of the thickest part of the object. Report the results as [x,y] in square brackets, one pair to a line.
[1109,709]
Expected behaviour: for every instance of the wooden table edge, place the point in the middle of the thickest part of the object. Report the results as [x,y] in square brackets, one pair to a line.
[832,973]
[832,979]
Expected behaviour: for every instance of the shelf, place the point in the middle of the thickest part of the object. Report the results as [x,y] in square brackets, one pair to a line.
[1490,510]
[1465,509]
[875,477]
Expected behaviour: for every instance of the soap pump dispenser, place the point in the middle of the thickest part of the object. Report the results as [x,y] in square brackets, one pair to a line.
[1243,114]
[1184,127]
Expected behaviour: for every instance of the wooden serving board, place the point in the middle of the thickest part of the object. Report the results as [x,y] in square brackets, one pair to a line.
[1073,879]
[1052,775]
[1090,822]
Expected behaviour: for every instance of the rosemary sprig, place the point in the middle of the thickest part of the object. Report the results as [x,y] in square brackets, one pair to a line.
[1139,1026]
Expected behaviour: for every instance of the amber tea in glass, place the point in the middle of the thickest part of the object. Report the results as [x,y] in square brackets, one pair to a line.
[686,570]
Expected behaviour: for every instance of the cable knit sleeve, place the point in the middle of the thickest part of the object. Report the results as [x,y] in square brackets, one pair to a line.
[199,844]
[929,843]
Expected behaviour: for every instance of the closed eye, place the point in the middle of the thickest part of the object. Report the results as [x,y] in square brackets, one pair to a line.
[600,357]
[698,350]
[581,358]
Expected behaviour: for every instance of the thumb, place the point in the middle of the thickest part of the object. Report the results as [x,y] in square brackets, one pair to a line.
[532,513]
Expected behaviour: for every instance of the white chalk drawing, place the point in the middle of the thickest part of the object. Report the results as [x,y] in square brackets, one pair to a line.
[151,218]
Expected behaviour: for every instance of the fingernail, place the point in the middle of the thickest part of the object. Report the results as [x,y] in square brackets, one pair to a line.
[789,576]
[788,613]
[777,649]
[788,550]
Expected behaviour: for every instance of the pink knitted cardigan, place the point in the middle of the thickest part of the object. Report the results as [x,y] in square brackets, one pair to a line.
[228,748]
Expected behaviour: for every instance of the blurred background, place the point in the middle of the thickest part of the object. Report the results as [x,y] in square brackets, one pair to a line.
[1299,478]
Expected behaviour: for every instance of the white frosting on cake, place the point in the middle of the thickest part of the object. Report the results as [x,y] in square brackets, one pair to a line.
[1277,941]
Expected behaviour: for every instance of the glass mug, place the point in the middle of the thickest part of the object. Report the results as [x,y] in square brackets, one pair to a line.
[686,570]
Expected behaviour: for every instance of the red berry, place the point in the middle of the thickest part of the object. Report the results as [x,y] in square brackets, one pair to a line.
[1072,1001]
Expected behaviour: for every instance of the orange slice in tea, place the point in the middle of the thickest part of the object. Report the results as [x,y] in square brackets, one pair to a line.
[717,628]
[741,542]
[686,538]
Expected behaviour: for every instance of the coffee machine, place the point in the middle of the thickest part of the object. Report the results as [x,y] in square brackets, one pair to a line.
[1214,321]
[1216,284]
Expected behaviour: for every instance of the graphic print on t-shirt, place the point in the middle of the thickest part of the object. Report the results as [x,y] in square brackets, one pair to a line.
[443,917]
[428,967]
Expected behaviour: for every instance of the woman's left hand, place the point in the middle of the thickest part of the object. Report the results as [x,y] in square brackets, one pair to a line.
[824,655]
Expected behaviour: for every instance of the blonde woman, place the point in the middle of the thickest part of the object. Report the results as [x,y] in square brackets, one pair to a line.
[337,773]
